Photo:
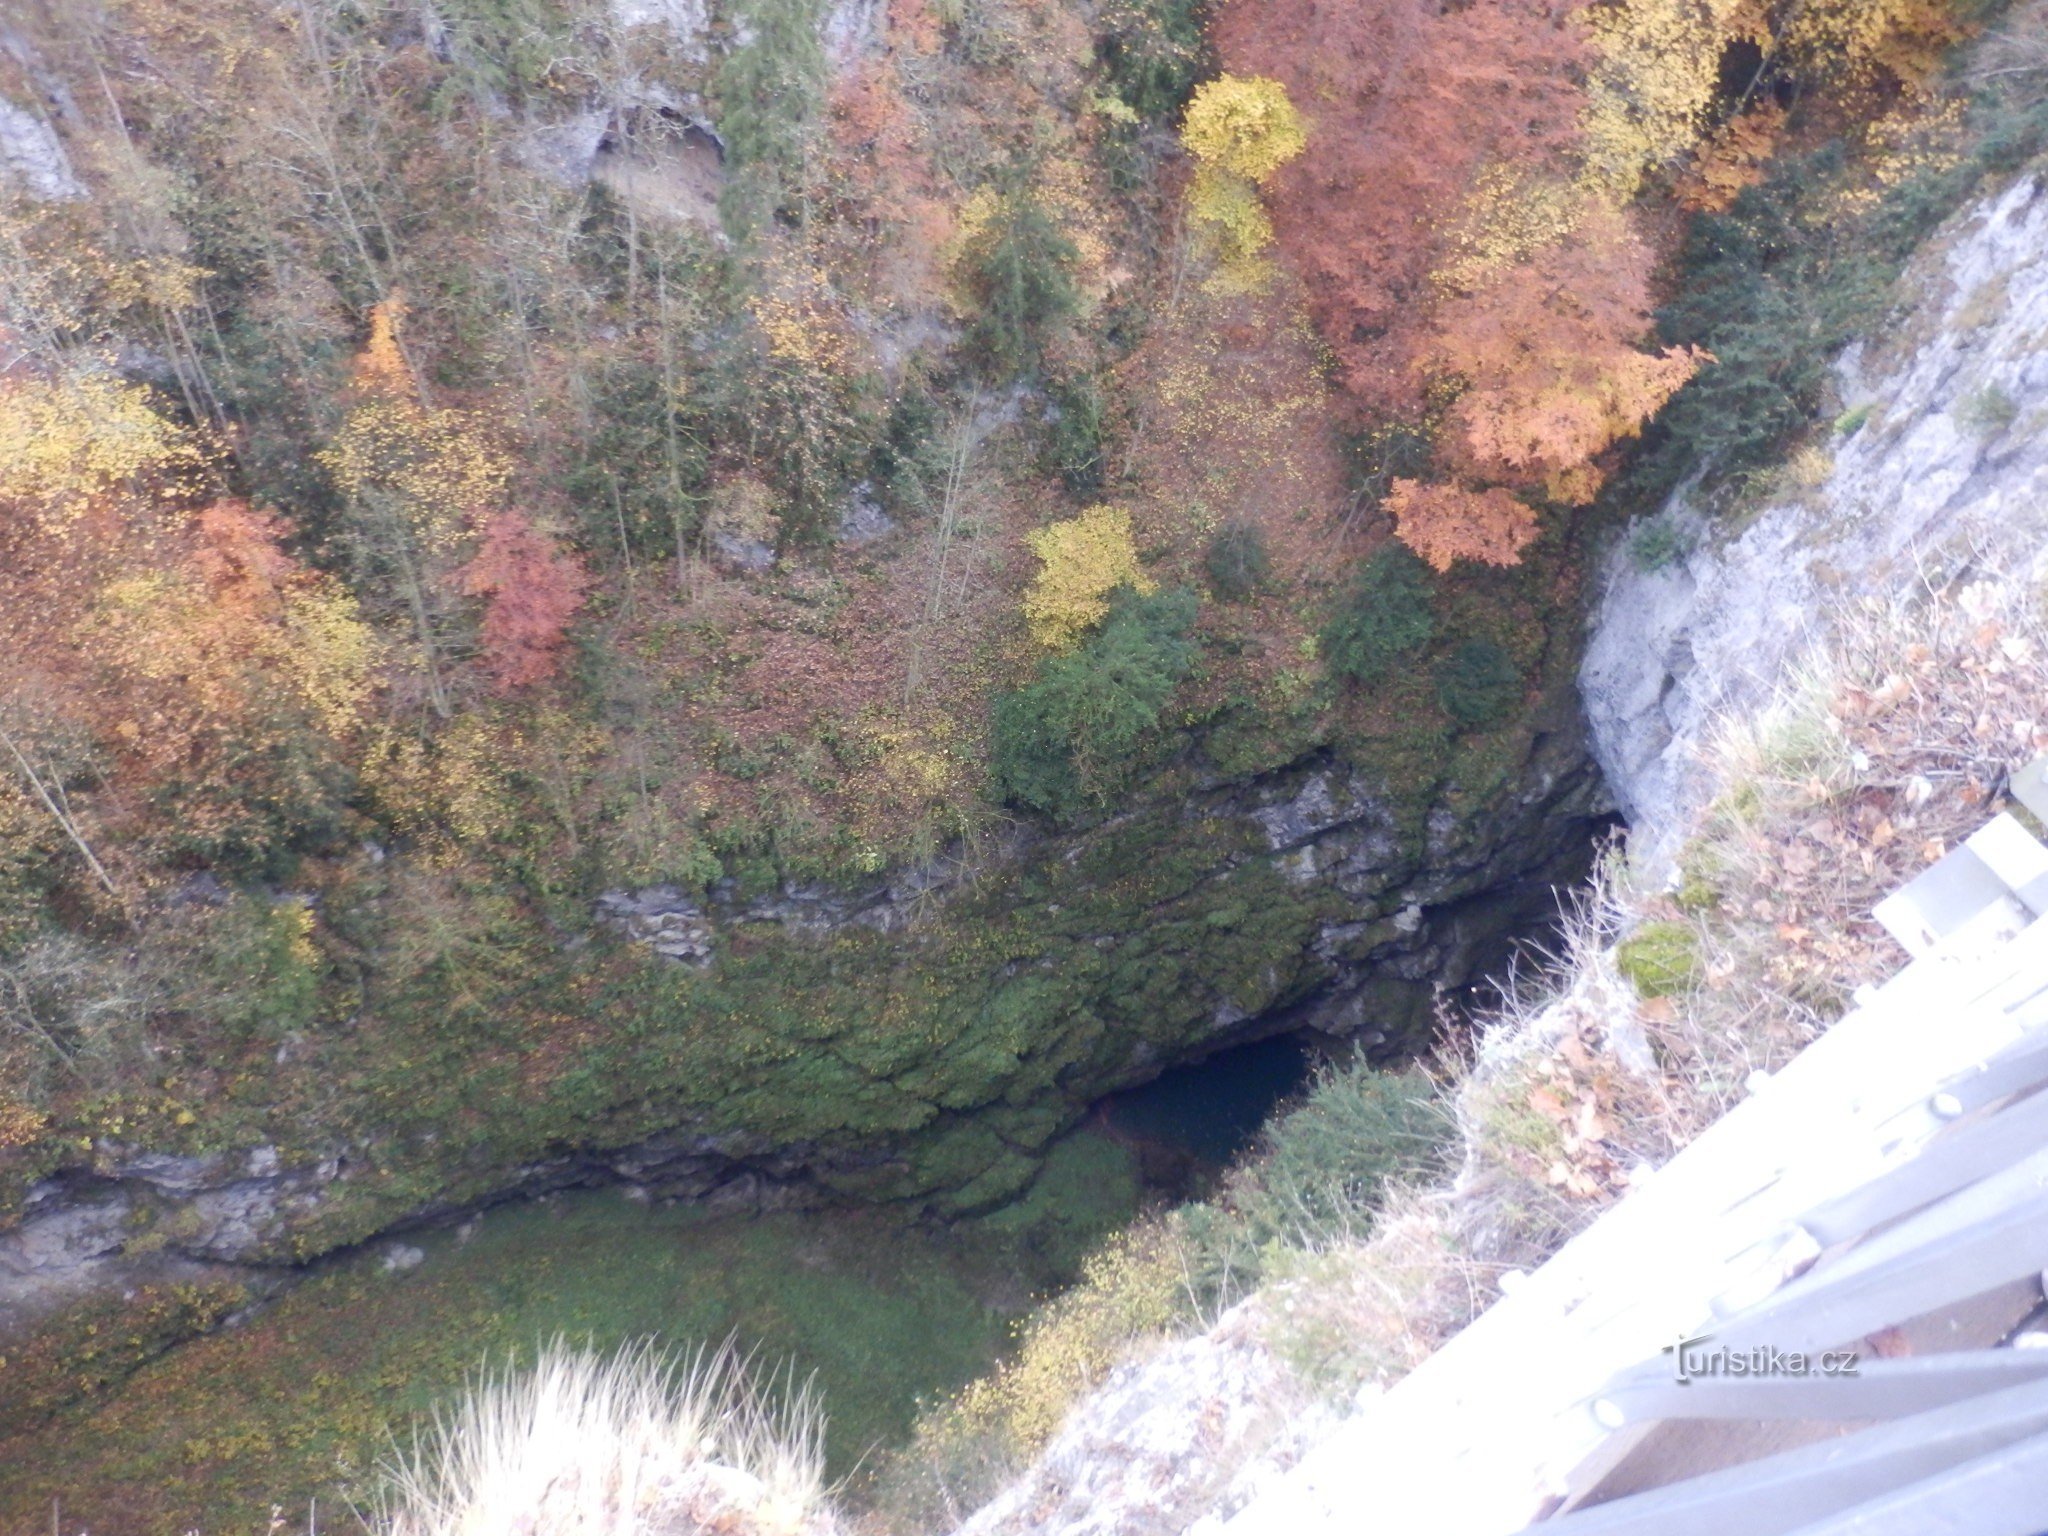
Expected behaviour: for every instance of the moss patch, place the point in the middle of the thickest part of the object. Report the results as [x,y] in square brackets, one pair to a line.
[295,1404]
[93,1346]
[1660,959]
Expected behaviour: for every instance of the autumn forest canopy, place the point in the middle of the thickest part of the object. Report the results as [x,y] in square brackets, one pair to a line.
[412,424]
[461,458]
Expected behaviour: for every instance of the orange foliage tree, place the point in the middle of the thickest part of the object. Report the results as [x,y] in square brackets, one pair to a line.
[1546,361]
[1466,277]
[531,590]
[174,680]
[1445,522]
[234,680]
[1407,102]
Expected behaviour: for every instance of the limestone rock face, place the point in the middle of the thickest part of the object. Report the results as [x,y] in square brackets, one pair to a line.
[48,1246]
[1948,461]
[854,28]
[1162,1443]
[32,158]
[687,22]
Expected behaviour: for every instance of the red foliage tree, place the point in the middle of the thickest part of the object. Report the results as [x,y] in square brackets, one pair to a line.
[1467,276]
[531,589]
[1408,102]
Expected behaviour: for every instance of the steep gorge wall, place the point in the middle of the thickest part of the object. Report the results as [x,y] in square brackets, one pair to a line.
[1939,463]
[1940,482]
[921,1039]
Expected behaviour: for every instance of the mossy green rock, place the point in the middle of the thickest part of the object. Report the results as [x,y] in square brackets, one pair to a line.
[1660,959]
[922,1042]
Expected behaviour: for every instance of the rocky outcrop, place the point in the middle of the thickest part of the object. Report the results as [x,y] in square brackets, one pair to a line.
[32,157]
[143,1214]
[652,138]
[1313,897]
[1939,458]
[686,23]
[1165,1442]
[250,1209]
[848,28]
[1411,921]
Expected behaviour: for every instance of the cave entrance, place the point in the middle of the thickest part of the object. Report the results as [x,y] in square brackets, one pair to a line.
[1191,1122]
[1186,1126]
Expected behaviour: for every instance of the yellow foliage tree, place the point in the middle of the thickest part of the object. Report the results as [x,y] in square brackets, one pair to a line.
[20,1122]
[1245,126]
[1229,206]
[243,631]
[229,684]
[1649,96]
[1240,130]
[1508,216]
[1862,42]
[1083,560]
[417,480]
[68,438]
[801,319]
[437,466]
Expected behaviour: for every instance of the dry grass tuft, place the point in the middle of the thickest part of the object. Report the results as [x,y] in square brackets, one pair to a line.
[644,1443]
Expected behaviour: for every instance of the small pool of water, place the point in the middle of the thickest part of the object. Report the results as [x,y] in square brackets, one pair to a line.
[1212,1110]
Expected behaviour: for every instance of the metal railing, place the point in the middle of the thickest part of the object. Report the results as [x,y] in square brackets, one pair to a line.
[1867,1198]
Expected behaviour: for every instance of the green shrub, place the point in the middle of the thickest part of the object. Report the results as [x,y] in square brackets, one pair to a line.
[1323,1166]
[1317,1178]
[1152,53]
[1077,430]
[1478,683]
[1657,544]
[1852,421]
[505,47]
[639,478]
[911,458]
[812,430]
[1236,561]
[253,969]
[1660,959]
[1029,751]
[270,795]
[769,93]
[28,866]
[1071,737]
[1383,616]
[1988,410]
[1782,280]
[970,1445]
[1020,274]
